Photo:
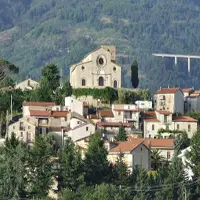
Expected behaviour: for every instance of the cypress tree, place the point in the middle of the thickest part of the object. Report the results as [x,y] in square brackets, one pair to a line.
[134,74]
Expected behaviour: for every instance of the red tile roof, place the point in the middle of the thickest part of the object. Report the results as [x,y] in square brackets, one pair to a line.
[155,143]
[123,109]
[105,113]
[126,146]
[183,119]
[26,103]
[42,113]
[168,90]
[113,124]
[151,120]
[163,112]
[59,113]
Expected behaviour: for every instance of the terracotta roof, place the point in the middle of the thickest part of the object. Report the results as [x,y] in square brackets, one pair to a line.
[44,113]
[93,116]
[168,90]
[59,113]
[40,113]
[113,124]
[155,143]
[126,146]
[183,119]
[105,113]
[197,91]
[187,90]
[25,103]
[151,120]
[163,112]
[123,109]
[193,95]
[149,114]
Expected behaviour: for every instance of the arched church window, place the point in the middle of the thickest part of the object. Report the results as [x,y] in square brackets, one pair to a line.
[101,81]
[115,84]
[83,82]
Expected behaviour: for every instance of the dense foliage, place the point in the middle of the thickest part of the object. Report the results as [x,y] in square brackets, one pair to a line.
[28,173]
[35,32]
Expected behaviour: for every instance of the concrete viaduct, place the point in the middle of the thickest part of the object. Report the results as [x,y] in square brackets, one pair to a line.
[176,56]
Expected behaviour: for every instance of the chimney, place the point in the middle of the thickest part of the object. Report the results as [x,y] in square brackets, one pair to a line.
[168,85]
[160,87]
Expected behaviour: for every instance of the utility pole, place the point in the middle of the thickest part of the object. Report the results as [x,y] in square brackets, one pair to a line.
[11,105]
[7,120]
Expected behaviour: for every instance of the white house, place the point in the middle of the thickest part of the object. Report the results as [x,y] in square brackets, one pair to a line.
[144,105]
[169,99]
[135,153]
[166,147]
[188,171]
[126,113]
[164,120]
[27,84]
[74,105]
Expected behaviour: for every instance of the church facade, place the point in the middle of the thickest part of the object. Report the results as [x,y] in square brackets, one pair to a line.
[97,69]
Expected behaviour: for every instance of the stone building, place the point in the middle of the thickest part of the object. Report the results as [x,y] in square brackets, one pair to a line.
[98,69]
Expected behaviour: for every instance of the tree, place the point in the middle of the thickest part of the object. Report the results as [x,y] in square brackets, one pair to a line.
[63,92]
[51,73]
[121,136]
[120,172]
[71,167]
[156,159]
[6,68]
[12,169]
[40,174]
[96,163]
[134,74]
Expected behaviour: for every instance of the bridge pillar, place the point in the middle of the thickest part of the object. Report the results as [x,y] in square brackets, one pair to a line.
[175,60]
[189,64]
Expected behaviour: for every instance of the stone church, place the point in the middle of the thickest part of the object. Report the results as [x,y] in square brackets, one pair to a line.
[97,69]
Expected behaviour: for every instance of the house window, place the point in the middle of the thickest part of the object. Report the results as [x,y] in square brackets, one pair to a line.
[82,67]
[13,127]
[21,134]
[87,128]
[189,128]
[177,127]
[83,82]
[119,113]
[167,127]
[141,149]
[149,135]
[114,68]
[152,128]
[168,155]
[115,84]
[165,118]
[78,122]
[29,127]
[101,81]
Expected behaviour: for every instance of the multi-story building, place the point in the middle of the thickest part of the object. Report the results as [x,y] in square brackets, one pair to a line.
[192,102]
[129,113]
[167,122]
[135,153]
[169,99]
[98,69]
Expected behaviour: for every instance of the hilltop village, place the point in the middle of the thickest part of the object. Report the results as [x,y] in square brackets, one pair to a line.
[134,129]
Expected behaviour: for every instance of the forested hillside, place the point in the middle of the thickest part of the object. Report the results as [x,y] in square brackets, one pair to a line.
[36,32]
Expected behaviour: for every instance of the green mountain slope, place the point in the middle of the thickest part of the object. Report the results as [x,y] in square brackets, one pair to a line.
[35,32]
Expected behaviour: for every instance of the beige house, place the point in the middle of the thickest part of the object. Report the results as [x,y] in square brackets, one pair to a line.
[169,99]
[98,69]
[166,147]
[27,84]
[129,113]
[166,121]
[41,106]
[135,153]
[24,129]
